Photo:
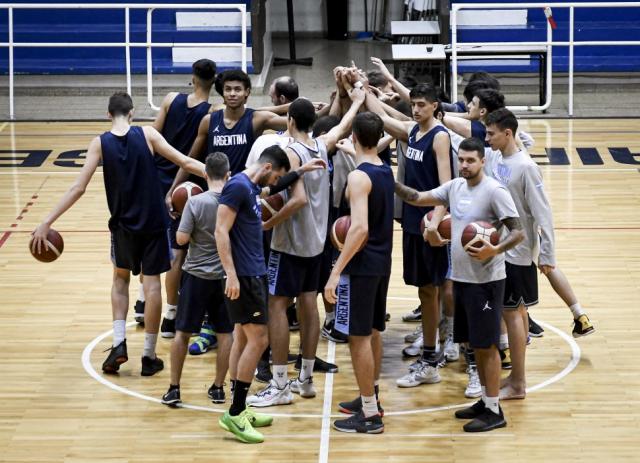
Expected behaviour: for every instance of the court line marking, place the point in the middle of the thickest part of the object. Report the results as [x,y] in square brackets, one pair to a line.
[325,432]
[351,436]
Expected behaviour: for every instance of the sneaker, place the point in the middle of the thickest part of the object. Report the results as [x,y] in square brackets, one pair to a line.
[138,312]
[320,366]
[258,420]
[168,328]
[241,427]
[205,341]
[304,388]
[451,349]
[358,423]
[582,326]
[505,358]
[535,330]
[415,349]
[471,412]
[414,316]
[416,365]
[411,337]
[330,333]
[271,395]
[387,317]
[151,366]
[117,356]
[427,374]
[474,388]
[172,397]
[216,394]
[355,406]
[292,316]
[487,421]
[263,372]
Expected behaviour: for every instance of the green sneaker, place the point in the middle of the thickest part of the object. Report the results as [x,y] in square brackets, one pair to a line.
[258,420]
[241,427]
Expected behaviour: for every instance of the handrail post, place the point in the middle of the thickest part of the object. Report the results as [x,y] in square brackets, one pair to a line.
[127,49]
[454,53]
[12,115]
[571,26]
[149,62]
[243,13]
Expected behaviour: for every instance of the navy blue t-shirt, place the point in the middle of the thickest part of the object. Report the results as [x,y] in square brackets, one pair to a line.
[241,194]
[235,142]
[479,131]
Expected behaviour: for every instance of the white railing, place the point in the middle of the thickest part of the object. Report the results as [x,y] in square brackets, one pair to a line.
[127,44]
[549,42]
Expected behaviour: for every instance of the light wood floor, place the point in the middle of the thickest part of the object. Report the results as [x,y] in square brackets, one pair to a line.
[53,410]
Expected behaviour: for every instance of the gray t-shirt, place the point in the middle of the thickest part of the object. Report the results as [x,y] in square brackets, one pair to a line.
[488,201]
[199,219]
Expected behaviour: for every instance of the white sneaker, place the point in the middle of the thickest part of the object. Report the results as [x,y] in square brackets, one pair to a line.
[426,374]
[271,395]
[410,338]
[414,349]
[474,388]
[304,388]
[451,349]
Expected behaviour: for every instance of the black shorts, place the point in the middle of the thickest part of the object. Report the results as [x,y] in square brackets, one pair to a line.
[362,304]
[521,286]
[173,228]
[327,261]
[198,297]
[252,305]
[478,312]
[266,245]
[146,252]
[423,264]
[290,275]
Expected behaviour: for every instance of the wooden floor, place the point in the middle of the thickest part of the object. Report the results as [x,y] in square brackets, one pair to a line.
[586,407]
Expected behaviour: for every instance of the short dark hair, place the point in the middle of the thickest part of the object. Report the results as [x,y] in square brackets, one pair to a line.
[426,91]
[235,75]
[488,78]
[276,156]
[324,124]
[490,99]
[286,87]
[474,87]
[408,81]
[377,78]
[216,165]
[120,104]
[303,113]
[217,84]
[472,144]
[503,119]
[204,69]
[368,129]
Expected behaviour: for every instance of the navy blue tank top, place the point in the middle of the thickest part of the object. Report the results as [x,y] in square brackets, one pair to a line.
[134,193]
[180,130]
[421,173]
[479,131]
[236,142]
[375,257]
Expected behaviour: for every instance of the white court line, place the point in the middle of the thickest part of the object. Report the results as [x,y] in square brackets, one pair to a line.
[350,436]
[325,433]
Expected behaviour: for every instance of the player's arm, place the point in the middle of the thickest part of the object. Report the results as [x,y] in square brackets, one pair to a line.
[415,197]
[384,142]
[164,149]
[394,113]
[187,223]
[431,234]
[297,196]
[73,194]
[540,208]
[292,176]
[330,138]
[161,117]
[487,251]
[359,186]
[402,91]
[398,129]
[457,124]
[267,120]
[280,110]
[225,218]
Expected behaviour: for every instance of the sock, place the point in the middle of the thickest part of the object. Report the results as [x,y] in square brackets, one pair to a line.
[150,341]
[492,404]
[239,397]
[470,355]
[265,355]
[376,389]
[307,369]
[448,326]
[170,311]
[141,293]
[576,310]
[329,316]
[429,354]
[504,341]
[484,395]
[369,405]
[174,386]
[280,375]
[119,331]
[233,385]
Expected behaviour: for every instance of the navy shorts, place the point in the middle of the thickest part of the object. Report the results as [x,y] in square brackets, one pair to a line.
[327,261]
[173,228]
[289,275]
[362,304]
[148,253]
[478,312]
[252,305]
[199,296]
[521,286]
[422,264]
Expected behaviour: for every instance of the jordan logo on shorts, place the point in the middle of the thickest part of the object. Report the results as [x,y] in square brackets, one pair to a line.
[487,306]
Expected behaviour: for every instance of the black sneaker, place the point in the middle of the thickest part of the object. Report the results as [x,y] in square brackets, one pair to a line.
[168,328]
[263,372]
[138,309]
[151,366]
[292,316]
[582,326]
[216,394]
[387,317]
[355,406]
[487,421]
[330,332]
[535,330]
[471,412]
[117,356]
[319,366]
[358,423]
[172,397]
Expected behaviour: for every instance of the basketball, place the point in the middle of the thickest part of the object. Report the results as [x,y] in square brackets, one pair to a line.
[475,232]
[339,231]
[444,228]
[182,193]
[53,250]
[271,205]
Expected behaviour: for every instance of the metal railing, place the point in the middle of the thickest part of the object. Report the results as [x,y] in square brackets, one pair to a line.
[127,44]
[571,43]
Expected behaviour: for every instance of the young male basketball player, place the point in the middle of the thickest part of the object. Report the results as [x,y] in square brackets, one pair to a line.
[138,221]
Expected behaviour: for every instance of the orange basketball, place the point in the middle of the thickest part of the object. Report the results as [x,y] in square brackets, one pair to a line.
[53,249]
[339,232]
[475,232]
[271,205]
[444,228]
[182,193]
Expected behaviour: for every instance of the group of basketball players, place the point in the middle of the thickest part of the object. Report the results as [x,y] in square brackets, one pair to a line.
[241,275]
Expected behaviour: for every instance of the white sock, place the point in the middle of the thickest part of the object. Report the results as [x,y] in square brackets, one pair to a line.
[119,331]
[448,325]
[150,341]
[484,394]
[170,311]
[576,310]
[141,292]
[307,369]
[369,405]
[330,316]
[492,404]
[504,341]
[280,375]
